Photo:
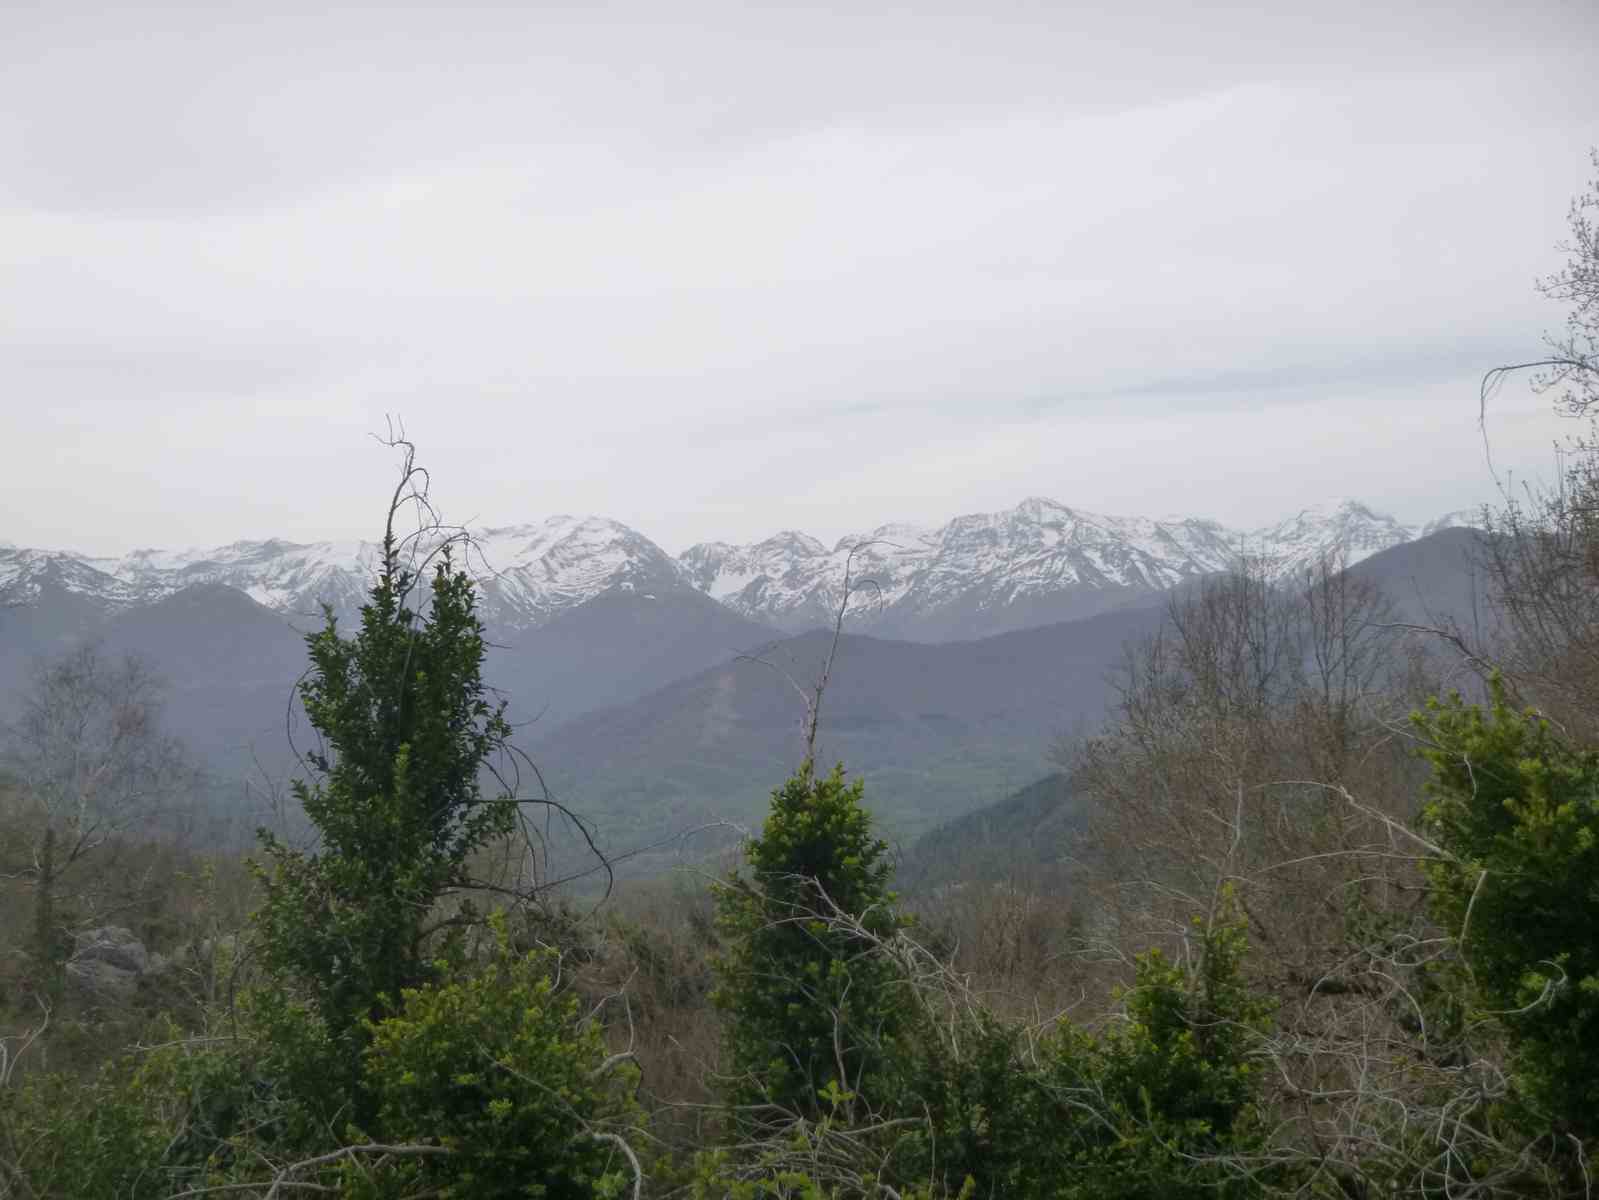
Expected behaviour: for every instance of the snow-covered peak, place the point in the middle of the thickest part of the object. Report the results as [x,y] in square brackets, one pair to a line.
[897,535]
[802,543]
[904,578]
[1347,530]
[28,575]
[1019,558]
[977,561]
[528,572]
[532,572]
[287,577]
[562,535]
[724,571]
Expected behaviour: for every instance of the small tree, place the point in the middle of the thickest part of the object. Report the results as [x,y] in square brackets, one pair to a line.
[407,728]
[1517,811]
[807,1005]
[372,1057]
[397,801]
[91,764]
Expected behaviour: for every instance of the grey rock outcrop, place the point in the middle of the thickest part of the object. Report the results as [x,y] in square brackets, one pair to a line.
[110,961]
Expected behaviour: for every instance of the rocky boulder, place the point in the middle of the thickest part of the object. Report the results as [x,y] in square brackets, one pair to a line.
[109,961]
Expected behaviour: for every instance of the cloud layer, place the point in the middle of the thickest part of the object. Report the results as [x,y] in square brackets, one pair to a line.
[715,272]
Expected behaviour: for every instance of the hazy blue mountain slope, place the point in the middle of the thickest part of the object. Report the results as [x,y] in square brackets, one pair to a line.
[612,649]
[936,730]
[53,619]
[643,715]
[230,666]
[1436,579]
[231,663]
[1030,829]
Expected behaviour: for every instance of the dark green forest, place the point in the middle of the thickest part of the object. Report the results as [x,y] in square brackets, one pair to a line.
[1313,912]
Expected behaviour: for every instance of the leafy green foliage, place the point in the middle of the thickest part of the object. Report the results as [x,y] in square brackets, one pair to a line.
[143,1126]
[1517,811]
[1165,1102]
[984,1100]
[371,1059]
[101,1137]
[1160,1104]
[489,1073]
[806,1003]
[406,728]
[1175,1081]
[495,1065]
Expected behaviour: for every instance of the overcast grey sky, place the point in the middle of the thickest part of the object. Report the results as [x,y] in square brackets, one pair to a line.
[716,269]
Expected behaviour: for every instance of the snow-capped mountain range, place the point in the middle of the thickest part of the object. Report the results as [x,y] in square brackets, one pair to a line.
[977,574]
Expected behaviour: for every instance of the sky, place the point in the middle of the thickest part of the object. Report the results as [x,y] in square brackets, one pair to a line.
[719,269]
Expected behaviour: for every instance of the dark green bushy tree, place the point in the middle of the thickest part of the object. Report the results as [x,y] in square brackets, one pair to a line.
[1517,810]
[1164,1103]
[406,727]
[498,1065]
[374,1057]
[807,1002]
[1175,1083]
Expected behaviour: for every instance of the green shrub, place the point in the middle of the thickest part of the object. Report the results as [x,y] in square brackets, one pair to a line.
[1516,811]
[496,1066]
[807,1002]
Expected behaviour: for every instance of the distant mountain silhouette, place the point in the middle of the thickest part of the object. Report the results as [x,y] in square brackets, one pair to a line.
[977,575]
[231,664]
[1436,581]
[1027,833]
[639,708]
[619,646]
[936,730]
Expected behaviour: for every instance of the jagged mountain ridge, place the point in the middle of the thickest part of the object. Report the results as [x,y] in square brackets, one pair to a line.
[933,728]
[978,574]
[987,573]
[528,573]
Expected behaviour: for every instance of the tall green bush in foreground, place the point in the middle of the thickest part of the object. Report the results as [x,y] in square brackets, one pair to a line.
[808,1004]
[1516,809]
[860,1065]
[499,1067]
[380,1050]
[1174,1083]
[406,728]
[468,1057]
[1163,1103]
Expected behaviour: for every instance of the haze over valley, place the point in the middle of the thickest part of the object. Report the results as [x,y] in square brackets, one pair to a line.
[969,648]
